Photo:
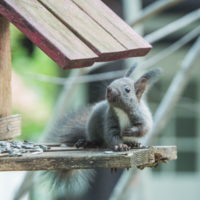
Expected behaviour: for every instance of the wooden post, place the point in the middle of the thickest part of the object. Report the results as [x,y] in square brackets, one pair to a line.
[10,125]
[5,68]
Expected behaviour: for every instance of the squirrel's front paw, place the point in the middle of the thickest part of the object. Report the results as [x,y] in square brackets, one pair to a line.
[121,147]
[81,143]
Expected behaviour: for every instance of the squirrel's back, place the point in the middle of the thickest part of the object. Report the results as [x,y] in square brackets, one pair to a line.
[71,127]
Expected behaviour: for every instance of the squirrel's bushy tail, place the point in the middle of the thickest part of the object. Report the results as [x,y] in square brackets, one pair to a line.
[70,128]
[68,183]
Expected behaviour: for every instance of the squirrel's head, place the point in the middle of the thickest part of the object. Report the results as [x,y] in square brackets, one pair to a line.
[126,91]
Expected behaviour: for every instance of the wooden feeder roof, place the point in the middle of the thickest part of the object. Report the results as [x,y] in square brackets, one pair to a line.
[75,33]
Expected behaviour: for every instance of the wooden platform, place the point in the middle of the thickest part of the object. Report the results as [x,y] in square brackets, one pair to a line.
[75,33]
[57,158]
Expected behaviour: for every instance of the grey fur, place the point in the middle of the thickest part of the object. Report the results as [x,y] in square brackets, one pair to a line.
[70,127]
[68,184]
[124,112]
[123,100]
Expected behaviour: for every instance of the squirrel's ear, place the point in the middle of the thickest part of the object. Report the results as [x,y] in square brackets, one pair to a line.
[143,83]
[130,71]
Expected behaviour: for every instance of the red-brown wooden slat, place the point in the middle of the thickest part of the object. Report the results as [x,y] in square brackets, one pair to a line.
[102,42]
[73,32]
[47,32]
[112,23]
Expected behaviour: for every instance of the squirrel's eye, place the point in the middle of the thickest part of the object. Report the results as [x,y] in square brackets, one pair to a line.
[127,89]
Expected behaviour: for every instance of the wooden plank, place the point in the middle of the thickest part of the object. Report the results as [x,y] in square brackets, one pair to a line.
[85,159]
[5,68]
[112,23]
[96,37]
[47,32]
[10,126]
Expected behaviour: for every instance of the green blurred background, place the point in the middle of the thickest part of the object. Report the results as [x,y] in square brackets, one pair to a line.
[28,60]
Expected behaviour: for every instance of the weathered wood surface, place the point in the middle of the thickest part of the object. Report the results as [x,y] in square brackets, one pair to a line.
[47,32]
[58,158]
[115,26]
[101,29]
[75,33]
[98,39]
[10,127]
[9,124]
[5,68]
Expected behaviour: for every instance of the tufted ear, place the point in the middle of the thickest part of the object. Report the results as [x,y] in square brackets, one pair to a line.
[130,71]
[143,83]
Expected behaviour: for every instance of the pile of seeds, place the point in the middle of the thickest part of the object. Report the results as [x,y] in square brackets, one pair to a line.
[17,148]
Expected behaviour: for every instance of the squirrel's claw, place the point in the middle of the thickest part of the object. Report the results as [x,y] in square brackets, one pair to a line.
[81,143]
[136,145]
[121,147]
[113,170]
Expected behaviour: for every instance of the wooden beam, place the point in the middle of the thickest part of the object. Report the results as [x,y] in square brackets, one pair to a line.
[5,78]
[153,9]
[59,158]
[166,52]
[5,68]
[173,26]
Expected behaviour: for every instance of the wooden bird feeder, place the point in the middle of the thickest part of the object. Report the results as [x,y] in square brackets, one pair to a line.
[75,34]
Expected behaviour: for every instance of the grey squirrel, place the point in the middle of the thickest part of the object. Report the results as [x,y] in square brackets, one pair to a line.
[114,123]
[123,117]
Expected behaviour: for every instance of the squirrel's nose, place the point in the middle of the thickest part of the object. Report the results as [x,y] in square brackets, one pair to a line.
[109,90]
[112,93]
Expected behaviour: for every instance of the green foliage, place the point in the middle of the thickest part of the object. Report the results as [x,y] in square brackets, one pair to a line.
[28,60]
[31,129]
[37,63]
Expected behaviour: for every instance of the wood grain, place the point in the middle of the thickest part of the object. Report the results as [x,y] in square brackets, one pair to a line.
[74,33]
[96,37]
[10,127]
[79,159]
[5,73]
[47,32]
[5,68]
[115,26]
